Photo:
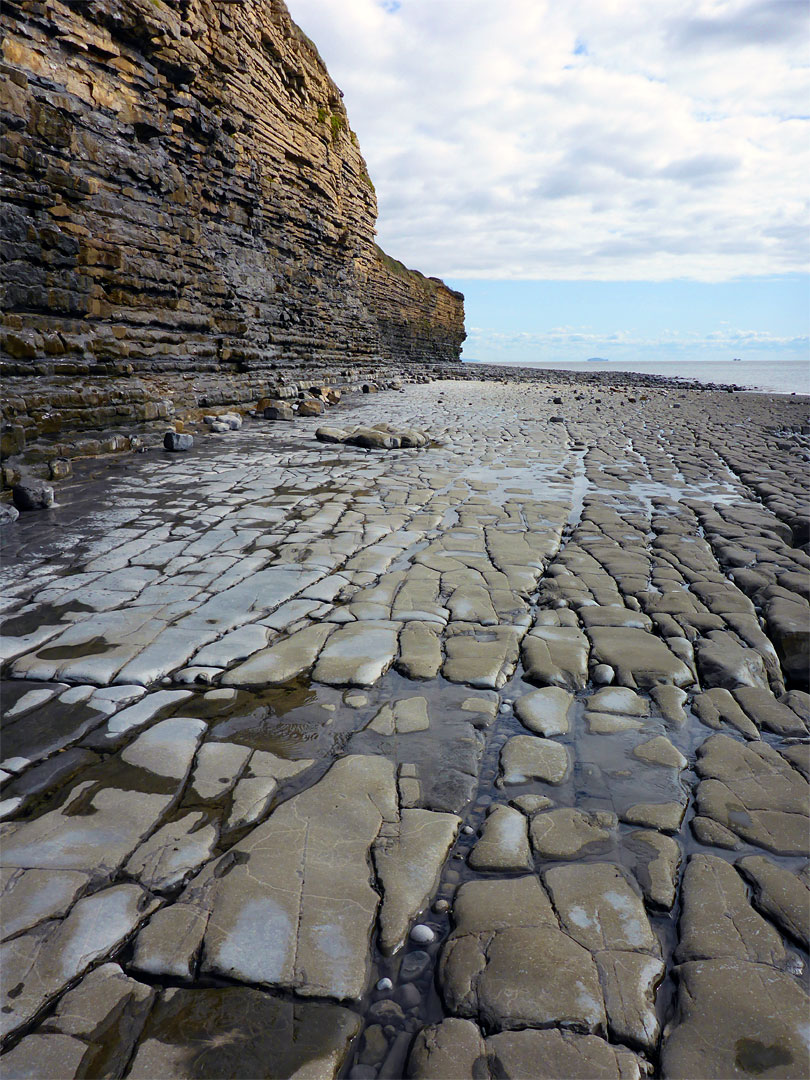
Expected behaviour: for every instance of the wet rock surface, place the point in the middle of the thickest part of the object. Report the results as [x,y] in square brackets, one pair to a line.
[479,759]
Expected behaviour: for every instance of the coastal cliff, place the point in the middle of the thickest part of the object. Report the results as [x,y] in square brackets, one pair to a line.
[187,219]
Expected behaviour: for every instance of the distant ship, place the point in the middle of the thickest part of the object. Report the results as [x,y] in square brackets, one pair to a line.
[736,359]
[597,360]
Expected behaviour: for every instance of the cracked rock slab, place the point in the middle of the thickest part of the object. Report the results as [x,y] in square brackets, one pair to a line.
[483,657]
[294,906]
[504,842]
[239,1032]
[545,711]
[38,965]
[660,751]
[94,831]
[107,1009]
[566,833]
[639,659]
[721,1029]
[408,858]
[629,981]
[508,964]
[173,853]
[659,858]
[754,792]
[526,757]
[357,654]
[717,920]
[168,748]
[46,1055]
[456,1048]
[599,907]
[32,896]
[556,656]
[780,894]
[282,661]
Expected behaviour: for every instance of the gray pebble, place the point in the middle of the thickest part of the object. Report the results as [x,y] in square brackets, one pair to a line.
[409,995]
[422,934]
[386,1012]
[603,675]
[385,984]
[414,964]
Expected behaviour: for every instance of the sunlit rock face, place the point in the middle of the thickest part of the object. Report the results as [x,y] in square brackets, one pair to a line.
[184,195]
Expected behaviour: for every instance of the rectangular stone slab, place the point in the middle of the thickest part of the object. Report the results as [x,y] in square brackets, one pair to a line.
[294,906]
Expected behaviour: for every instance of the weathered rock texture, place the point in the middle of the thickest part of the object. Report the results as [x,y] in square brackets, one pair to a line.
[187,218]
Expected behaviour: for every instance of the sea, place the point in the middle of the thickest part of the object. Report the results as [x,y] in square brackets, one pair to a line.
[775,376]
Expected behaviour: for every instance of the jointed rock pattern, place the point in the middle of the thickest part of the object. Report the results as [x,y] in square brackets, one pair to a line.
[486,758]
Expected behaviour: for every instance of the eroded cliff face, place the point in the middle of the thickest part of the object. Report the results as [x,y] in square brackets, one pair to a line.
[188,217]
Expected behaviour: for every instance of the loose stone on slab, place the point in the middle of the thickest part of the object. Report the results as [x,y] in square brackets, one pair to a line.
[177,440]
[525,757]
[32,495]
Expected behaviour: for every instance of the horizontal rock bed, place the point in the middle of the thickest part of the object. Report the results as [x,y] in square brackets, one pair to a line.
[492,762]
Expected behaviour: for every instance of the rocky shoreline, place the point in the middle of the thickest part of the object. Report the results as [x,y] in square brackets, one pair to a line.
[477,754]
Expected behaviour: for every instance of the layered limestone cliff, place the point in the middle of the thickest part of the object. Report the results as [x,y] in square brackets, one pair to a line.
[187,218]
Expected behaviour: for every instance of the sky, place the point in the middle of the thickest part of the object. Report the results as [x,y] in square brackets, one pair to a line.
[616,178]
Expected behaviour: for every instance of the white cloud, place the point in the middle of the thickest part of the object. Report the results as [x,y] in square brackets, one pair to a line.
[603,139]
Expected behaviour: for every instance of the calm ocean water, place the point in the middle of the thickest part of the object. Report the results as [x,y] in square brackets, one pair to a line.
[775,376]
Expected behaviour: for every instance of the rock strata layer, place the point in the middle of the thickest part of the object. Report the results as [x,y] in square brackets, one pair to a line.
[184,196]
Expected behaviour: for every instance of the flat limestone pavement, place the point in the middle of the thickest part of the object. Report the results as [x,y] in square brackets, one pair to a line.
[479,758]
